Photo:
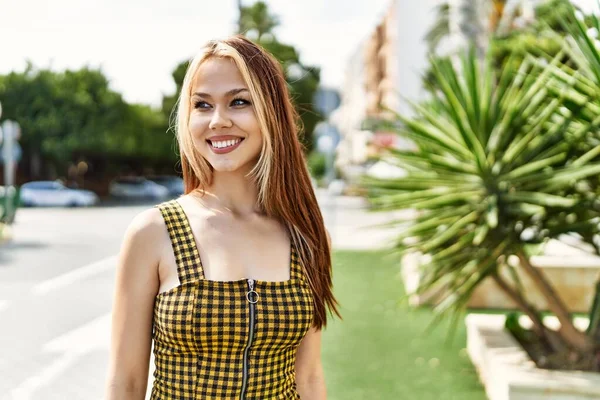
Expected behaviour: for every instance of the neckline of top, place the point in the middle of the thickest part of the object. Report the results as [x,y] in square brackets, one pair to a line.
[291,261]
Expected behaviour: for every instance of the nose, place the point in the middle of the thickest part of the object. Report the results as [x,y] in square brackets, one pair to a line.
[219,119]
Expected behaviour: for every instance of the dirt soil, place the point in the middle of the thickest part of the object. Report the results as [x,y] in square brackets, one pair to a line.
[567,360]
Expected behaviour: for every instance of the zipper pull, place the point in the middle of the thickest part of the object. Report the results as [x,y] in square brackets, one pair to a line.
[251,292]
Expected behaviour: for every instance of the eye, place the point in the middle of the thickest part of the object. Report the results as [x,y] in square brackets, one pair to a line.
[201,105]
[240,102]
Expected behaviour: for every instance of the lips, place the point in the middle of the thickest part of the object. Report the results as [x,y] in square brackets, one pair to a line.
[218,138]
[224,143]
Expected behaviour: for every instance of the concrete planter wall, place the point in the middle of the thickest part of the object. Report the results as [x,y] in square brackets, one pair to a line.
[508,373]
[572,272]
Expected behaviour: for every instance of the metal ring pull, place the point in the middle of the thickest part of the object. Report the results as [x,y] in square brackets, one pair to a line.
[248,297]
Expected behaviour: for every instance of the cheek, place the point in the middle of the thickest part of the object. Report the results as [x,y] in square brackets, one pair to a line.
[197,125]
[249,123]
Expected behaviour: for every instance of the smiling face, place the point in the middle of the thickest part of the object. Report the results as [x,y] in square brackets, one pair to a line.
[222,122]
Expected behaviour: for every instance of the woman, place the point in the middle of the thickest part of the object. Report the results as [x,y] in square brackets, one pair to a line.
[233,279]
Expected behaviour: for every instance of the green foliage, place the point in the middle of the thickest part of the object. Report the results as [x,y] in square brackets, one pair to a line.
[12,196]
[440,28]
[543,37]
[585,79]
[63,113]
[74,114]
[256,21]
[503,158]
[317,164]
[303,81]
[169,102]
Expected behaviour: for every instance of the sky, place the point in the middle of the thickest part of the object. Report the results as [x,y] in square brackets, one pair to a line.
[137,44]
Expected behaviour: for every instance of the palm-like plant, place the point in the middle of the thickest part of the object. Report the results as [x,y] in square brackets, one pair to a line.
[501,162]
[582,46]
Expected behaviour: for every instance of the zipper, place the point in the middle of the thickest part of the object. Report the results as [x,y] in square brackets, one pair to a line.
[252,298]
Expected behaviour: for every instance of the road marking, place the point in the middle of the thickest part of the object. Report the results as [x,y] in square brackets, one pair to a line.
[74,276]
[26,389]
[90,336]
[70,348]
[75,344]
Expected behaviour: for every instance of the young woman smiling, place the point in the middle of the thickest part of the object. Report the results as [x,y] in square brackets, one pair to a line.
[232,281]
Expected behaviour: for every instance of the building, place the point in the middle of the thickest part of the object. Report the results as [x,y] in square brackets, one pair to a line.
[385,70]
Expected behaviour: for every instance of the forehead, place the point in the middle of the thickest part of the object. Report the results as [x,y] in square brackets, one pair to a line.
[217,75]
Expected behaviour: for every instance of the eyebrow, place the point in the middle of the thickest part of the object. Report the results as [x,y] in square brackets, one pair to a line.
[230,93]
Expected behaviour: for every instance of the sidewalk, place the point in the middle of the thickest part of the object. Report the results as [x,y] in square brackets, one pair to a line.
[353,227]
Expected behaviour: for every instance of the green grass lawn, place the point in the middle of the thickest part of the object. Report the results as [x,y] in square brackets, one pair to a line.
[382,349]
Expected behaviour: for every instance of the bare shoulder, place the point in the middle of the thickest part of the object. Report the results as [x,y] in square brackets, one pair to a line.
[144,240]
[147,223]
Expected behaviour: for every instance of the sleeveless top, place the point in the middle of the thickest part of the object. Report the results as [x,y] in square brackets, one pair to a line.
[226,339]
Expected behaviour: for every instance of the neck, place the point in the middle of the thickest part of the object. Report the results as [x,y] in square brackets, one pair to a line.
[231,192]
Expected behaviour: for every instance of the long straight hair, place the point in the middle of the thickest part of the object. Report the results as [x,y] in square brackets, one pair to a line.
[285,190]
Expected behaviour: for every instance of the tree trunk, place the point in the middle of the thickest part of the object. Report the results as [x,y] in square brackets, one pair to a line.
[35,164]
[555,343]
[593,331]
[568,332]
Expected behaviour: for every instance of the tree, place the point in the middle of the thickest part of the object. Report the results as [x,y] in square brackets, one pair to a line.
[511,36]
[258,23]
[75,112]
[169,102]
[507,158]
[467,19]
[255,21]
[503,161]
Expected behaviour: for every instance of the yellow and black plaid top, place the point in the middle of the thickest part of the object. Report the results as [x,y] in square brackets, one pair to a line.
[220,340]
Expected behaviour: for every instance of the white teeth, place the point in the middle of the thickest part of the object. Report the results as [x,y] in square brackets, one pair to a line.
[225,143]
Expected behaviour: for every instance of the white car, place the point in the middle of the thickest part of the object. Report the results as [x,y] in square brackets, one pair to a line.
[137,187]
[173,183]
[54,193]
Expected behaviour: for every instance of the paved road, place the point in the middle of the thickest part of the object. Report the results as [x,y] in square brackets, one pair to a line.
[56,283]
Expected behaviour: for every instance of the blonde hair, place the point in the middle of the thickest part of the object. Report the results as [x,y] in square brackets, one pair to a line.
[198,164]
[285,190]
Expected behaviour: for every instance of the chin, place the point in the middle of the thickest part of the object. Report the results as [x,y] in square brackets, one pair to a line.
[233,166]
[226,166]
[222,167]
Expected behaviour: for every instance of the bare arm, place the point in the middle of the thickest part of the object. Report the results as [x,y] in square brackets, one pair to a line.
[133,302]
[310,379]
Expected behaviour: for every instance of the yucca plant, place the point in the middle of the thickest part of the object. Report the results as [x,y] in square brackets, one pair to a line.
[582,46]
[499,165]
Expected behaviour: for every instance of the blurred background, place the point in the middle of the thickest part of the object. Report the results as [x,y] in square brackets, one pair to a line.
[393,108]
